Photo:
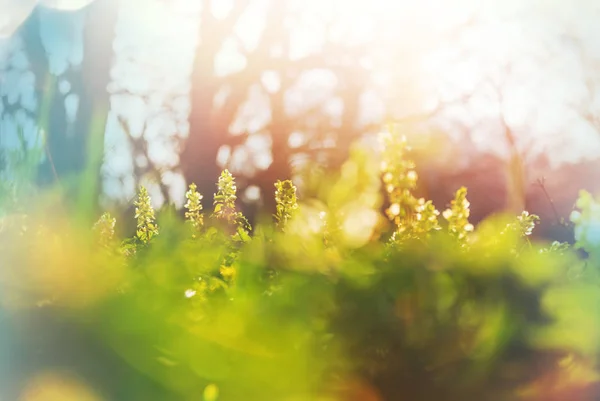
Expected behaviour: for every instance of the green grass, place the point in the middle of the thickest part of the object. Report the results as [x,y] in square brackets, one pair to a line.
[327,300]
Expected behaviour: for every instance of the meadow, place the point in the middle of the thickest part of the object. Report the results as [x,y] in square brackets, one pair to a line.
[329,299]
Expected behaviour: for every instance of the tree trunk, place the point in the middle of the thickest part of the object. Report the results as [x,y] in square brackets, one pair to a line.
[75,146]
[280,167]
[198,159]
[65,148]
[94,98]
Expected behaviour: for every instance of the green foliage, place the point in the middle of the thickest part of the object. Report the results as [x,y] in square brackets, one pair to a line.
[432,319]
[225,198]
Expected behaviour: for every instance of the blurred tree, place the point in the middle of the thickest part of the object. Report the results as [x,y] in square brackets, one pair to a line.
[18,103]
[269,73]
[494,138]
[79,52]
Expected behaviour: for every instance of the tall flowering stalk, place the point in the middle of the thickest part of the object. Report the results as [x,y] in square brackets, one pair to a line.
[225,198]
[194,208]
[286,201]
[413,217]
[426,217]
[104,229]
[526,222]
[225,210]
[457,216]
[224,202]
[144,213]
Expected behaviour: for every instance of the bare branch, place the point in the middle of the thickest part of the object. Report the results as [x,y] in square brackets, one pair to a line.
[141,145]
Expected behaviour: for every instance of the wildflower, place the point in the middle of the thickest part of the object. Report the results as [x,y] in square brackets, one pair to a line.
[228,272]
[105,229]
[224,202]
[287,203]
[458,215]
[144,213]
[557,247]
[526,223]
[412,217]
[394,210]
[194,207]
[426,217]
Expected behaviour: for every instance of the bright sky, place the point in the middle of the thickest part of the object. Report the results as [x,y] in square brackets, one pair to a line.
[551,49]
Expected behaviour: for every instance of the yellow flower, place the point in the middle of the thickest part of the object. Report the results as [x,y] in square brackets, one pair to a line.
[144,213]
[286,201]
[194,207]
[458,216]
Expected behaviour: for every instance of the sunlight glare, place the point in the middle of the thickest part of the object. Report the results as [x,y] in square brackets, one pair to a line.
[358,226]
[221,8]
[66,5]
[13,14]
[401,36]
[53,386]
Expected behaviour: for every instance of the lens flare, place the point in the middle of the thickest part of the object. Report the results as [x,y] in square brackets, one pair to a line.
[54,387]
